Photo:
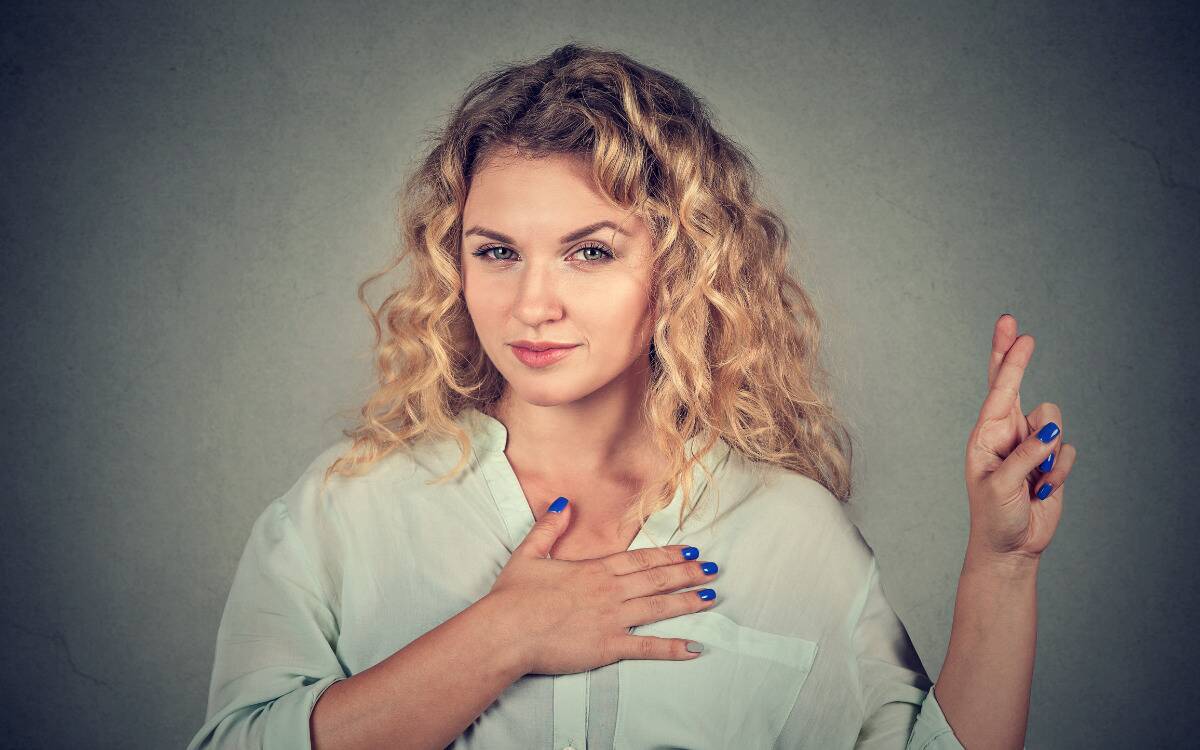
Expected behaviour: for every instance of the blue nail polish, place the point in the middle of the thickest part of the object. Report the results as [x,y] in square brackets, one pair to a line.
[709,567]
[557,505]
[690,553]
[707,594]
[1048,464]
[1046,489]
[1048,432]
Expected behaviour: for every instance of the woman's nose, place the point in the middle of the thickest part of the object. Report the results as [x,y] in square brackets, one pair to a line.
[538,296]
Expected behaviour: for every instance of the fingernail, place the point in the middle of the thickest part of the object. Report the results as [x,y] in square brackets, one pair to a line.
[1048,464]
[709,567]
[707,594]
[557,505]
[1048,432]
[690,553]
[695,647]
[1046,489]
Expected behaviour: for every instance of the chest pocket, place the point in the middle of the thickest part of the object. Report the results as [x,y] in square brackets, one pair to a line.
[738,693]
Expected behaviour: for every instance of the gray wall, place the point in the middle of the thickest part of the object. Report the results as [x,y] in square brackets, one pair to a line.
[191,191]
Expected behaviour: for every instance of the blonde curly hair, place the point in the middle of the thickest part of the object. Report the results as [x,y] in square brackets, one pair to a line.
[734,353]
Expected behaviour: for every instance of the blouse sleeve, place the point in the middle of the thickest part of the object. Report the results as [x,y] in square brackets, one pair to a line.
[274,650]
[899,706]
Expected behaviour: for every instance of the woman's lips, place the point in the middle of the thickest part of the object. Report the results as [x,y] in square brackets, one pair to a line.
[542,358]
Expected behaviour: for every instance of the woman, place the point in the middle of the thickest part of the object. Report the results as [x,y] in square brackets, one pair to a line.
[518,546]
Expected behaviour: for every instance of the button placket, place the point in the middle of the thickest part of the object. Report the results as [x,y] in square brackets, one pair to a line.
[570,710]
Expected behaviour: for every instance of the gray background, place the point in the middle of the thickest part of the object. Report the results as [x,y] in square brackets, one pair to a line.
[191,192]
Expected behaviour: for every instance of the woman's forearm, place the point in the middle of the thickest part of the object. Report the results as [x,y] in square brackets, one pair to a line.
[425,694]
[983,688]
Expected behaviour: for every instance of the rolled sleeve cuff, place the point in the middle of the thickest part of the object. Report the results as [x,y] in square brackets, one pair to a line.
[289,725]
[931,732]
[281,724]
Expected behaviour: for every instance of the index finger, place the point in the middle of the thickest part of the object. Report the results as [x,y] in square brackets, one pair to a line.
[1005,387]
[634,560]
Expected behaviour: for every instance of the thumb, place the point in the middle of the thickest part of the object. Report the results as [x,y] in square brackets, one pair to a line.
[546,531]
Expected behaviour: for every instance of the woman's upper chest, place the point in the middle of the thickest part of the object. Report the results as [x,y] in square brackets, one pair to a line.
[596,528]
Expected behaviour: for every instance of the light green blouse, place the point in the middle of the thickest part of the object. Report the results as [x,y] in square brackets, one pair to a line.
[802,649]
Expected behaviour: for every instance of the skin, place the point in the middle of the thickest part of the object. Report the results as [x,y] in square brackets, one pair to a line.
[985,682]
[575,427]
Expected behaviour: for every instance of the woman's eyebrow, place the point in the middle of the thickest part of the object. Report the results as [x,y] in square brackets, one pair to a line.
[578,234]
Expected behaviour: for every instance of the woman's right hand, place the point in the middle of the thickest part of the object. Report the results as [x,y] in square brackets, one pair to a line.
[574,615]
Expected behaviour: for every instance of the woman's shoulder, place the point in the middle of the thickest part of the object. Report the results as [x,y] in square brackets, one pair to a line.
[801,506]
[790,492]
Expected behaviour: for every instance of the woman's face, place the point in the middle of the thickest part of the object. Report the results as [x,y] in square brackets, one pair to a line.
[535,266]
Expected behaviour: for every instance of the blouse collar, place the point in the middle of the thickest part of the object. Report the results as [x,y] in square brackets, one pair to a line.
[491,437]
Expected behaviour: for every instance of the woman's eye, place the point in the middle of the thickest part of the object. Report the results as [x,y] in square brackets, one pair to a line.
[600,253]
[604,254]
[484,250]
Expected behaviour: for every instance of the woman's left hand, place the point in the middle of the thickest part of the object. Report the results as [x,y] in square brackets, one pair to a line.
[1008,461]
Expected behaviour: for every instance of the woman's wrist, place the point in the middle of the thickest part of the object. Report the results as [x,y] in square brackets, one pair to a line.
[1013,566]
[495,618]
